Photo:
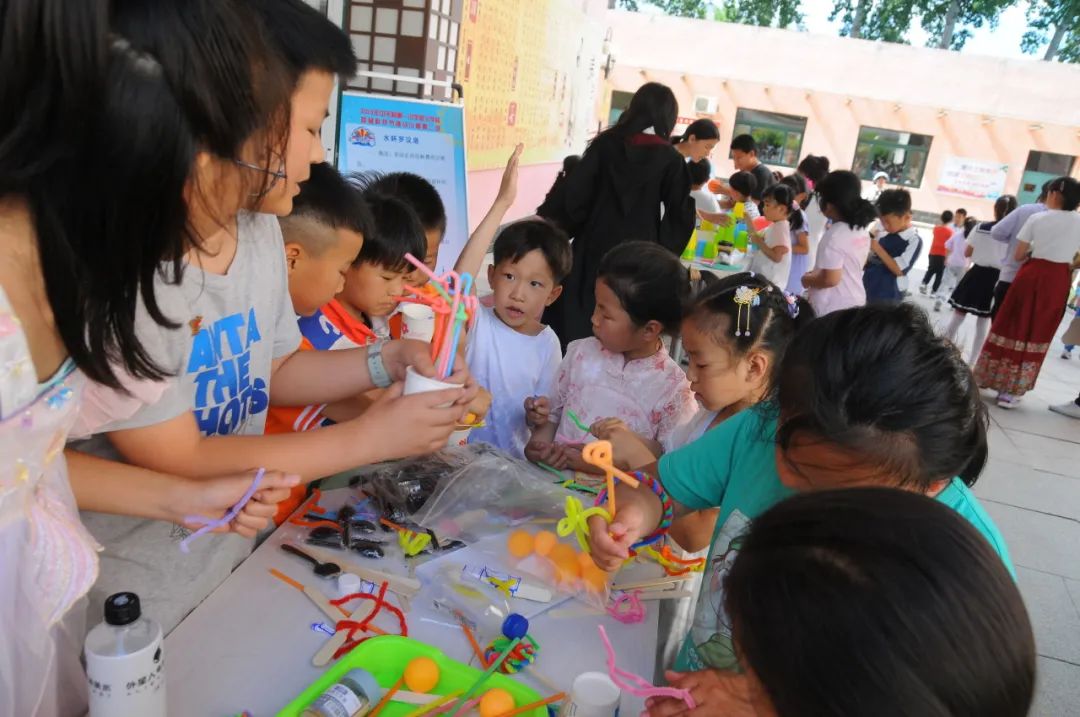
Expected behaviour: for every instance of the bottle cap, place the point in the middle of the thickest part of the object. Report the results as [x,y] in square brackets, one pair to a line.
[122,609]
[515,626]
[349,584]
[366,682]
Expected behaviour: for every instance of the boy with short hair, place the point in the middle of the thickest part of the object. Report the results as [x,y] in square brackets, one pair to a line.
[744,156]
[891,257]
[700,173]
[375,281]
[509,351]
[740,187]
[943,231]
[423,198]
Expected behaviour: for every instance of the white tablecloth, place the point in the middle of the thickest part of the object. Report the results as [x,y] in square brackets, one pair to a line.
[249,645]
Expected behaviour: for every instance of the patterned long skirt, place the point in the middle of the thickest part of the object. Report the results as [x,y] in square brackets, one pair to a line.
[1021,334]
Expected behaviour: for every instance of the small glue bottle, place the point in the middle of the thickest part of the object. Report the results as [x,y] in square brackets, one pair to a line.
[353,696]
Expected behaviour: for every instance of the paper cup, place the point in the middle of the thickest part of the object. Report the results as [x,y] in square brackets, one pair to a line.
[417,322]
[460,437]
[593,694]
[417,383]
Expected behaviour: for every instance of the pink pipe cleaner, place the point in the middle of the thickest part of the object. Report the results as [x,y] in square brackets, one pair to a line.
[638,686]
[633,613]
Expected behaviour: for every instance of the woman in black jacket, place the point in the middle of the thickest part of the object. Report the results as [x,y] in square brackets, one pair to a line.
[631,185]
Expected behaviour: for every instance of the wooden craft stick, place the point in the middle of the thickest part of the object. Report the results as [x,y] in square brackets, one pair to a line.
[436,704]
[666,595]
[407,587]
[323,603]
[386,697]
[331,646]
[652,583]
[525,709]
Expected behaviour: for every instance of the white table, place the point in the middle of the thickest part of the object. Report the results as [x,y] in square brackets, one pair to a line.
[249,645]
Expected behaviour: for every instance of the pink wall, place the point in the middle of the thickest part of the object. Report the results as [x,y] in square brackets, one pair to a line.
[974,107]
[533,183]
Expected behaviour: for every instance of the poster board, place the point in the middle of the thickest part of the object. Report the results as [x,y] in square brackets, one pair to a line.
[396,134]
[972,178]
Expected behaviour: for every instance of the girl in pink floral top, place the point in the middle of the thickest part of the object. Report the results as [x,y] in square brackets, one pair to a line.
[623,370]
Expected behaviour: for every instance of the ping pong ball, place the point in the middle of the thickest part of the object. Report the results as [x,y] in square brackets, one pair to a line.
[595,577]
[562,553]
[496,702]
[586,561]
[421,674]
[520,544]
[543,543]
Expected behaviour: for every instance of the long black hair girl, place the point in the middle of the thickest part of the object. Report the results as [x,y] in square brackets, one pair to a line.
[113,112]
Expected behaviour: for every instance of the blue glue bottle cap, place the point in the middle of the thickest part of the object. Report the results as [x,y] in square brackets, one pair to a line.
[515,626]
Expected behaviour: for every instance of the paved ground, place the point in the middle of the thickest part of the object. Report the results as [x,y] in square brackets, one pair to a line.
[1031,488]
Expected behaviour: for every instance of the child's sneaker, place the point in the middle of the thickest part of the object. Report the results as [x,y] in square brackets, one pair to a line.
[1007,401]
[1069,409]
[1066,354]
[937,305]
[922,289]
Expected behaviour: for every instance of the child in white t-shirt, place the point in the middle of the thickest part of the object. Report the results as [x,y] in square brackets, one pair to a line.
[700,172]
[836,281]
[772,258]
[513,355]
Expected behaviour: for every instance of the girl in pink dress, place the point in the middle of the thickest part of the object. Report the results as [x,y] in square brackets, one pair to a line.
[76,254]
[623,370]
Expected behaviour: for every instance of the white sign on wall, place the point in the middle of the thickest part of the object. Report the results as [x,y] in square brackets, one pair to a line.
[973,178]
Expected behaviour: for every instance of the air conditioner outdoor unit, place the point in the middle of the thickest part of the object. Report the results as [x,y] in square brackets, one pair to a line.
[705,105]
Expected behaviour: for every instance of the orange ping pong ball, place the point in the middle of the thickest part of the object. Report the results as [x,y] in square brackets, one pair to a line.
[421,674]
[496,702]
[543,543]
[520,544]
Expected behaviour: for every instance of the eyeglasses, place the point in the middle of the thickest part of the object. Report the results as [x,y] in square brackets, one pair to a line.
[276,175]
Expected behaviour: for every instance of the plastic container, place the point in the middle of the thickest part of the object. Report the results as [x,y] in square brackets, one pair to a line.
[386,658]
[417,322]
[352,696]
[124,662]
[418,383]
[459,437]
[593,694]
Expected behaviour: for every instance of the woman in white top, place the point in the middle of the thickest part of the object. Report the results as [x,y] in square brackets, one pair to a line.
[1028,319]
[975,293]
[814,169]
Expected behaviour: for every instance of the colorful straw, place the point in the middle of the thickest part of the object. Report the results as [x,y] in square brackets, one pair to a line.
[487,675]
[526,709]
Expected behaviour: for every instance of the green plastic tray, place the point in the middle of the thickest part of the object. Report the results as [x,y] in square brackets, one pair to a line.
[385,658]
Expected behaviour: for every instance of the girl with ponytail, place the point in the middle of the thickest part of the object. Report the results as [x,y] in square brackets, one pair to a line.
[698,141]
[836,280]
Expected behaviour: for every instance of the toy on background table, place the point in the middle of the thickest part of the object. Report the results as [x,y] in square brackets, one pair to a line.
[761,224]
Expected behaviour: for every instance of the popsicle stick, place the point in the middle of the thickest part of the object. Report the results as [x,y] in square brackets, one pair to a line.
[399,584]
[666,595]
[326,652]
[323,603]
[439,702]
[652,583]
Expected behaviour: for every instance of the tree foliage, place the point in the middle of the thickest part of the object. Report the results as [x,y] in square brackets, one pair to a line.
[764,13]
[1055,25]
[887,20]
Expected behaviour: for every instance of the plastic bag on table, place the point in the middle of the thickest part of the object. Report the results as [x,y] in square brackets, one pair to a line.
[540,560]
[489,495]
[401,488]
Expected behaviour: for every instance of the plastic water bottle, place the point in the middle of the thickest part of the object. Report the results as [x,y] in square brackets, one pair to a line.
[124,662]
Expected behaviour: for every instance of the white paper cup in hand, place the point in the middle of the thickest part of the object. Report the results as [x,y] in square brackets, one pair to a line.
[418,383]
[593,694]
[418,322]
